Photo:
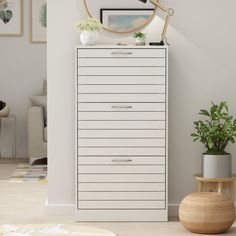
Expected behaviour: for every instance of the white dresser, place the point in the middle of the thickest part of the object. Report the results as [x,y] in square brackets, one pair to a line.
[122,129]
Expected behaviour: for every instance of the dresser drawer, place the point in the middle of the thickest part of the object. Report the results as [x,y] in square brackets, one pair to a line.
[121,115]
[121,204]
[118,187]
[121,62]
[121,125]
[121,169]
[121,107]
[131,151]
[134,80]
[125,160]
[121,178]
[122,53]
[126,134]
[93,142]
[121,196]
[121,89]
[105,71]
[127,98]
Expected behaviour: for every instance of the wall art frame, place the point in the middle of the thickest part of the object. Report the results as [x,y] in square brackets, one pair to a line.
[128,15]
[11,18]
[38,21]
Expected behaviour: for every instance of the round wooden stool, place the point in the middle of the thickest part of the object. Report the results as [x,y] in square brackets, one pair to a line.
[217,185]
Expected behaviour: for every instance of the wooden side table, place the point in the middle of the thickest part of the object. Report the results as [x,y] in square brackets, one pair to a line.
[216,184]
[8,136]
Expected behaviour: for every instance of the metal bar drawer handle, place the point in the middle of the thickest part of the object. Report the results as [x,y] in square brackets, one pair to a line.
[121,160]
[122,107]
[121,53]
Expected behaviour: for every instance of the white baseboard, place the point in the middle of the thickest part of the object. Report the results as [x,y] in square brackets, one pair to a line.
[173,209]
[59,209]
[69,209]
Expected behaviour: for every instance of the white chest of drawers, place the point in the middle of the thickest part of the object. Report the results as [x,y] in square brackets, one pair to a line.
[121,133]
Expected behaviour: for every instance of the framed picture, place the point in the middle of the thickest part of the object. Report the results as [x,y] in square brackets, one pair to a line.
[38,12]
[11,17]
[125,20]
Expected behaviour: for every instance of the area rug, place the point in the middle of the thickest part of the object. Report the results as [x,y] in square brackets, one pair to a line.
[58,229]
[28,173]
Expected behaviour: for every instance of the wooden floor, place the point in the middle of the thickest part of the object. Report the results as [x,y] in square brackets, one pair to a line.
[23,203]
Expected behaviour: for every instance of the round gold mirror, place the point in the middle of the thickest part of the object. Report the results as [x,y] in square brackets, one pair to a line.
[121,16]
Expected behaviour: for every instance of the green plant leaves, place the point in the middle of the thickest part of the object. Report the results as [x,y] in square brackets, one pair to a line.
[217,130]
[6,16]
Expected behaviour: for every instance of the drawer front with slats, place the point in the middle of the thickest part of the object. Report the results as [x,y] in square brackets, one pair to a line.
[121,53]
[114,79]
[117,178]
[121,124]
[124,160]
[121,109]
[119,98]
[121,187]
[88,89]
[147,71]
[121,62]
[128,196]
[122,115]
[121,204]
[128,169]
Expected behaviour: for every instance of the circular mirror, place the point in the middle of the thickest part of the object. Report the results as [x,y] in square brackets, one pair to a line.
[121,16]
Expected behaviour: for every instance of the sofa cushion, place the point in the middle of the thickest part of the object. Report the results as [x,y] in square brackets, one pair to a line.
[45,134]
[42,102]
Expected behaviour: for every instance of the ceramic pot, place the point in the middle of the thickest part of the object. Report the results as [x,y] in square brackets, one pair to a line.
[89,38]
[216,166]
[4,109]
[140,42]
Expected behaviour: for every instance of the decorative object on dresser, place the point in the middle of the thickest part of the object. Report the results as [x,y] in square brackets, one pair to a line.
[4,109]
[207,213]
[89,28]
[121,133]
[216,133]
[169,12]
[11,18]
[218,185]
[140,38]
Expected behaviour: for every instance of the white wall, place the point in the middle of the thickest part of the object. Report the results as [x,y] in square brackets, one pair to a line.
[201,69]
[22,70]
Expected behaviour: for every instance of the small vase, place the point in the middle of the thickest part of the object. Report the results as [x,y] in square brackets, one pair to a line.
[140,42]
[89,38]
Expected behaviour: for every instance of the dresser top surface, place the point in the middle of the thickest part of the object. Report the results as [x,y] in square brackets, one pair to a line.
[121,47]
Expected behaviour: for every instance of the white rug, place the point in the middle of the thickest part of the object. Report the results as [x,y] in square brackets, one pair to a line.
[55,230]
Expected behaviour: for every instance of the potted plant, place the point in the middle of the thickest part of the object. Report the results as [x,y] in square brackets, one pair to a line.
[216,132]
[140,38]
[89,28]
